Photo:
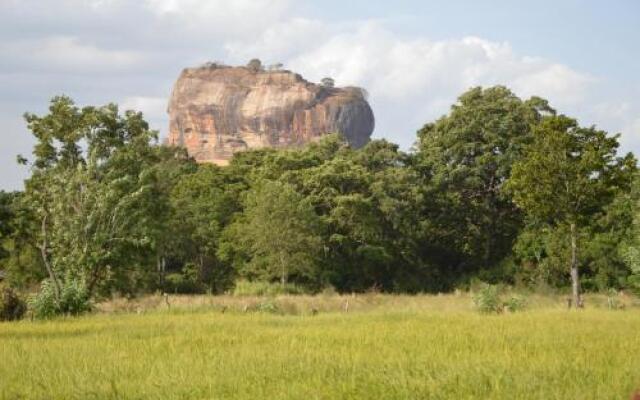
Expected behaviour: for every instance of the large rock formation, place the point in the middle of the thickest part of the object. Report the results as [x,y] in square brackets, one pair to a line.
[215,111]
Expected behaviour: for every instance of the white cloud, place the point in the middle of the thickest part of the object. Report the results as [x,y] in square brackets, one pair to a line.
[99,51]
[411,80]
[614,116]
[557,82]
[244,18]
[153,108]
[400,69]
[630,139]
[66,54]
[613,110]
[279,42]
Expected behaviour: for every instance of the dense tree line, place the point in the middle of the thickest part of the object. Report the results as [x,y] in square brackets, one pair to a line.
[500,189]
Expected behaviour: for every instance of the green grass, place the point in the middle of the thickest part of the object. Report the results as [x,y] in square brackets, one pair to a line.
[383,352]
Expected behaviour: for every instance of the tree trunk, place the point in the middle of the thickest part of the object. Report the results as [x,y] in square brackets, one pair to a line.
[283,272]
[95,275]
[204,274]
[160,267]
[163,269]
[45,260]
[575,277]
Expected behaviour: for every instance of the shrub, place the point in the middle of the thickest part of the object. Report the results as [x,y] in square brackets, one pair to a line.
[487,299]
[268,307]
[327,82]
[329,291]
[255,65]
[614,300]
[633,283]
[191,280]
[184,282]
[515,303]
[175,283]
[43,303]
[261,288]
[74,299]
[12,307]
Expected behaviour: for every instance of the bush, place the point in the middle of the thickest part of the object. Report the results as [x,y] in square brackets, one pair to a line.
[268,307]
[614,301]
[261,288]
[633,283]
[12,307]
[255,65]
[515,304]
[487,299]
[187,281]
[43,303]
[74,299]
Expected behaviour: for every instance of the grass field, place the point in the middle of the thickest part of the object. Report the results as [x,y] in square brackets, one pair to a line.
[384,347]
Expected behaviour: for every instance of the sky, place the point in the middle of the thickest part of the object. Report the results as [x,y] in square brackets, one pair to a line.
[413,57]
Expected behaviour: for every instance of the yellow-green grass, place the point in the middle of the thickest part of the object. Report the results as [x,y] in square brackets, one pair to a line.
[385,347]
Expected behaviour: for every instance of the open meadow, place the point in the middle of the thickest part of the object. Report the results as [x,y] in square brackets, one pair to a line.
[317,347]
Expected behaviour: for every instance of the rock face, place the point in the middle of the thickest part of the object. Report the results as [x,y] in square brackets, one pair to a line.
[215,111]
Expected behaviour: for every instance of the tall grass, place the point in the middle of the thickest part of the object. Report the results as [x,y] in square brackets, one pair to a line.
[259,288]
[391,347]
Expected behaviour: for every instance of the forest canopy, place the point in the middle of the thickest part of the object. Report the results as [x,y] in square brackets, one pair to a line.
[499,189]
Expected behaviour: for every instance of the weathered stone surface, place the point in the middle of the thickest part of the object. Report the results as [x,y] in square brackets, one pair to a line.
[215,111]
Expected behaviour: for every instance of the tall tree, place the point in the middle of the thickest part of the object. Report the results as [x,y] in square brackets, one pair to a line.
[279,234]
[6,220]
[466,156]
[21,264]
[368,200]
[567,177]
[93,191]
[203,204]
[630,246]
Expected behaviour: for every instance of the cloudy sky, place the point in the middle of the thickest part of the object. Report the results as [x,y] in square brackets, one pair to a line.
[414,57]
